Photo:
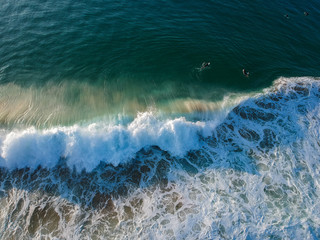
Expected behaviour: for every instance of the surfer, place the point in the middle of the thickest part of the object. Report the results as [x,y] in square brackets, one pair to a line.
[205,65]
[245,72]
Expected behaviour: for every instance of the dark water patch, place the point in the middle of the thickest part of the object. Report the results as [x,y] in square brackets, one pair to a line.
[187,166]
[266,105]
[269,139]
[249,113]
[249,134]
[202,158]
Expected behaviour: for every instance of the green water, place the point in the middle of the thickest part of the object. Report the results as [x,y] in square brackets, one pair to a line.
[96,58]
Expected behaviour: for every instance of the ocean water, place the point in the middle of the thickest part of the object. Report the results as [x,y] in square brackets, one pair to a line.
[111,129]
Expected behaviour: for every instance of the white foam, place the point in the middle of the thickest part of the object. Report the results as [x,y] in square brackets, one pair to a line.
[85,146]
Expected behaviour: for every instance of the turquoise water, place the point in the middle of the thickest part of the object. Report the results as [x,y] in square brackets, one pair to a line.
[110,129]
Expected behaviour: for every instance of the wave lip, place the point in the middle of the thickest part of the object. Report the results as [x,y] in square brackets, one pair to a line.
[86,147]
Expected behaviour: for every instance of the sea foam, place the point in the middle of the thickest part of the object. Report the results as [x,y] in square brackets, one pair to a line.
[85,147]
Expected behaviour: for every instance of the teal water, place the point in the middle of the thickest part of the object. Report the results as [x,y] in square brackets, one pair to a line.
[140,54]
[110,129]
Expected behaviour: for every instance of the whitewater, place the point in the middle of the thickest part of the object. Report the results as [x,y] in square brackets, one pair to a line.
[249,172]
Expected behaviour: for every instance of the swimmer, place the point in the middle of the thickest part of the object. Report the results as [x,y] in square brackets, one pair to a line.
[245,72]
[286,16]
[205,65]
[306,13]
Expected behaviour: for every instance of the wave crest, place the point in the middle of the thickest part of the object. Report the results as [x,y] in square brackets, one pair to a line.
[257,123]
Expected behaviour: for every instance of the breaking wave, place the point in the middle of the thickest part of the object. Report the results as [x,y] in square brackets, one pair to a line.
[252,174]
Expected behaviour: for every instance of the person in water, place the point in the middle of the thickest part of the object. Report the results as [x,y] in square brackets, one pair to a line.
[205,65]
[245,72]
[306,13]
